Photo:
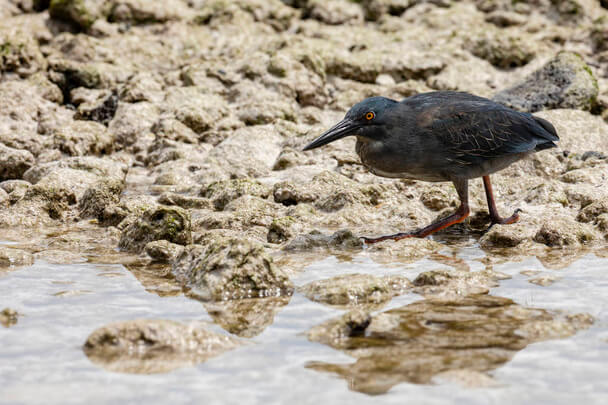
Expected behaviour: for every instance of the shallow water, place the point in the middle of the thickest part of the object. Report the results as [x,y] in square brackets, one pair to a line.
[41,357]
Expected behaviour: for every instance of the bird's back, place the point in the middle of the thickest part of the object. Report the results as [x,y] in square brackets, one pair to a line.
[444,135]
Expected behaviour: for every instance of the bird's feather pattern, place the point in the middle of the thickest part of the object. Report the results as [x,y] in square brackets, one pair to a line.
[472,130]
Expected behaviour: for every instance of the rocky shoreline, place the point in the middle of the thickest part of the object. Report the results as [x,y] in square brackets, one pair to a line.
[167,136]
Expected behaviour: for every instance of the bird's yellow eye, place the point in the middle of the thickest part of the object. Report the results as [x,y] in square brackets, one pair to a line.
[370,116]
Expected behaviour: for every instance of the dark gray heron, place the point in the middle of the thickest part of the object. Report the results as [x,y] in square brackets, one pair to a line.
[441,136]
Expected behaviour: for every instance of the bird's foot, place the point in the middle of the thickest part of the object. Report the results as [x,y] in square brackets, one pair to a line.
[395,237]
[505,221]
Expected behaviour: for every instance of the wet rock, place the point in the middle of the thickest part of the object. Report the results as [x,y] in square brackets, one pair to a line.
[157,223]
[100,195]
[283,228]
[564,82]
[433,277]
[343,239]
[8,317]
[355,289]
[14,162]
[230,268]
[564,231]
[162,251]
[81,138]
[246,317]
[507,236]
[10,257]
[148,346]
[591,212]
[416,342]
[222,192]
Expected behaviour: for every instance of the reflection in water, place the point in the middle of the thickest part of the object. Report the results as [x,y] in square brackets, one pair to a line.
[155,278]
[246,317]
[420,340]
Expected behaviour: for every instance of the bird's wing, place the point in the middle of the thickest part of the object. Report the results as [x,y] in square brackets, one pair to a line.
[473,132]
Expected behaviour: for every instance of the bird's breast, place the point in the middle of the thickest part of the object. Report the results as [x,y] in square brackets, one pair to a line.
[394,163]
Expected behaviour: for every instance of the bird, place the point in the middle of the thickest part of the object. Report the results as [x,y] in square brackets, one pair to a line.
[441,136]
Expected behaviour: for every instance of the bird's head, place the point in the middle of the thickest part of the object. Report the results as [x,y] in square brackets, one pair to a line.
[363,119]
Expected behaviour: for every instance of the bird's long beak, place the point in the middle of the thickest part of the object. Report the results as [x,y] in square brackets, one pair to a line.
[340,130]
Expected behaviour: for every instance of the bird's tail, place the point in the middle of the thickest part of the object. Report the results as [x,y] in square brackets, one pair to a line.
[548,127]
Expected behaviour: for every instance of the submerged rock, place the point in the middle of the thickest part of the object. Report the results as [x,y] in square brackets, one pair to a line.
[564,82]
[355,289]
[228,268]
[148,346]
[162,251]
[416,342]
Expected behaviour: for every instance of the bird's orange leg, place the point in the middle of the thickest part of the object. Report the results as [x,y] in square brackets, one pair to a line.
[460,215]
[495,218]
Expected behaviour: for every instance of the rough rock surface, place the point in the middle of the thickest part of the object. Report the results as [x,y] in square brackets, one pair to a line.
[230,268]
[174,130]
[564,82]
[355,289]
[158,223]
[148,346]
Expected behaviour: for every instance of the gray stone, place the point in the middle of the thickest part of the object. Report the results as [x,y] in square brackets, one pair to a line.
[564,82]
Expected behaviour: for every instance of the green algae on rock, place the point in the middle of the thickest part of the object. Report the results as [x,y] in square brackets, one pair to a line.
[157,223]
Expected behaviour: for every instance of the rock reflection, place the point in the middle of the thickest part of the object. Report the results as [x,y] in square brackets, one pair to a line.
[246,317]
[416,342]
